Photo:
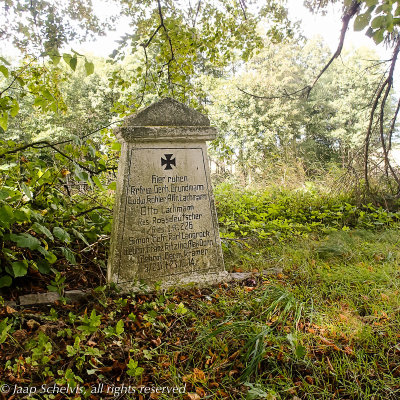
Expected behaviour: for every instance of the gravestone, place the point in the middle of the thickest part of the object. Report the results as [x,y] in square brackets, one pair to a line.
[165,227]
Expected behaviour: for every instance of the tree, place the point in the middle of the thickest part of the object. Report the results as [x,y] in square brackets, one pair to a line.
[43,27]
[170,44]
[380,21]
[259,129]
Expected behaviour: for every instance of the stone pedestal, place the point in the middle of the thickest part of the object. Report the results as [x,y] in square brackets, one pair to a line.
[165,228]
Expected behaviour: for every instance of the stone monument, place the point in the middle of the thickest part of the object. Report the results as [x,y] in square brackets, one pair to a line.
[165,227]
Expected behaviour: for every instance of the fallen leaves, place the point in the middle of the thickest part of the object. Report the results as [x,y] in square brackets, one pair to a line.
[192,396]
[196,376]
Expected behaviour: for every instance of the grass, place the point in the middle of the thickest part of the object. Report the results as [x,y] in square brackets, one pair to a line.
[322,322]
[338,295]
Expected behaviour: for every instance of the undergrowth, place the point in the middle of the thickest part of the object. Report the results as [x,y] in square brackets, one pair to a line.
[320,321]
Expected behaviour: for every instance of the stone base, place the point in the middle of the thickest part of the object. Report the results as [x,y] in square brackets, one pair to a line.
[197,280]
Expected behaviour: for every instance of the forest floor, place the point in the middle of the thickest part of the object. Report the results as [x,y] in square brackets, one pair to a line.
[327,326]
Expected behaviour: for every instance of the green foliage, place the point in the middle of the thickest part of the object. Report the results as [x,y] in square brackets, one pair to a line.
[90,324]
[174,41]
[380,18]
[45,26]
[133,369]
[263,120]
[44,222]
[4,330]
[281,215]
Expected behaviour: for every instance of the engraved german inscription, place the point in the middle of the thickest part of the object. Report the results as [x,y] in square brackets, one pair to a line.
[169,210]
[165,227]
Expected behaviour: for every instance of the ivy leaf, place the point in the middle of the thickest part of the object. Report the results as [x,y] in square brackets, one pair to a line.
[4,71]
[55,59]
[42,229]
[67,57]
[43,266]
[69,255]
[25,240]
[14,109]
[89,67]
[5,281]
[4,120]
[378,36]
[61,234]
[378,22]
[20,268]
[97,182]
[26,190]
[362,21]
[73,62]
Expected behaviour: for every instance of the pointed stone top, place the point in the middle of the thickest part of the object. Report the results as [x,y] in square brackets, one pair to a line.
[167,112]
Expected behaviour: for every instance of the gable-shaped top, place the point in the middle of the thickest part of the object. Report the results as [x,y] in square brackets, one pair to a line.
[167,112]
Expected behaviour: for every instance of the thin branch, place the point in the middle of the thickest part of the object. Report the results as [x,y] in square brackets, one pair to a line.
[145,45]
[369,134]
[16,76]
[376,63]
[393,125]
[355,6]
[243,7]
[383,103]
[169,40]
[92,209]
[45,143]
[384,89]
[145,77]
[102,238]
[285,95]
[197,13]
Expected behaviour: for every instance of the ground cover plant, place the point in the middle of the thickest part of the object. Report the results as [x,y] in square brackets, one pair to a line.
[317,315]
[321,320]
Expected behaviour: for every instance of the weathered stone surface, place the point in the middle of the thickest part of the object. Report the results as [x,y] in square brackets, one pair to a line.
[75,295]
[165,225]
[167,112]
[239,276]
[50,297]
[38,298]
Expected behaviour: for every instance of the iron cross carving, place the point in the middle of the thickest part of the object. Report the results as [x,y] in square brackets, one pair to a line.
[167,161]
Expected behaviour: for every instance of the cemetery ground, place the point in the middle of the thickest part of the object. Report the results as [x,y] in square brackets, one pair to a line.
[318,319]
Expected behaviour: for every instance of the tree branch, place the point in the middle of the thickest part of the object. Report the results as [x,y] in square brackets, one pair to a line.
[353,9]
[169,40]
[45,143]
[384,89]
[197,13]
[243,7]
[16,76]
[285,95]
[92,209]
